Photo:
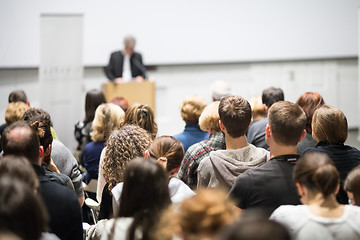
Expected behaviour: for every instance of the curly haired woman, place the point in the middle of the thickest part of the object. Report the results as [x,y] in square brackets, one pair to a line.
[122,146]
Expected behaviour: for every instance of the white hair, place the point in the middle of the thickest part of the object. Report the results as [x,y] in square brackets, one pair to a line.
[129,40]
[220,89]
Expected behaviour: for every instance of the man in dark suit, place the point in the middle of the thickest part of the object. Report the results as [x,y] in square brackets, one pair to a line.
[126,65]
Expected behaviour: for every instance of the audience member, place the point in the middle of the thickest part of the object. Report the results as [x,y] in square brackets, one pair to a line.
[121,102]
[122,146]
[256,132]
[143,116]
[330,129]
[82,131]
[140,209]
[108,117]
[270,185]
[321,216]
[21,211]
[220,89]
[18,96]
[352,186]
[209,122]
[169,152]
[14,112]
[257,109]
[20,168]
[14,96]
[61,158]
[309,102]
[203,215]
[62,205]
[191,110]
[254,229]
[221,167]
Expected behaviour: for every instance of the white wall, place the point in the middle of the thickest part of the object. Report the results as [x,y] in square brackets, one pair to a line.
[335,80]
[187,31]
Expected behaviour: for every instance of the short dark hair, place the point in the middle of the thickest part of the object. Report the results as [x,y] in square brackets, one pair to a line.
[18,96]
[317,172]
[272,95]
[254,229]
[287,122]
[27,145]
[352,184]
[235,114]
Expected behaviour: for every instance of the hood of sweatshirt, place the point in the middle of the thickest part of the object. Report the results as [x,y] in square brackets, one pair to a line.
[228,164]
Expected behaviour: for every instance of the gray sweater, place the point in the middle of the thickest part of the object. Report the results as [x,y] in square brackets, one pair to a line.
[221,167]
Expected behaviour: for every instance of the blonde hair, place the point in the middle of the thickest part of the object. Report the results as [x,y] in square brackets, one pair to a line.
[15,111]
[192,108]
[209,118]
[108,117]
[143,116]
[205,213]
[329,124]
[257,107]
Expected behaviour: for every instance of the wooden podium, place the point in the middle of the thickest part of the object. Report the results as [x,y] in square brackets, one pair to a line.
[134,92]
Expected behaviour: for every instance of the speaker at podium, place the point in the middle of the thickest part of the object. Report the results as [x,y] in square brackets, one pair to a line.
[133,92]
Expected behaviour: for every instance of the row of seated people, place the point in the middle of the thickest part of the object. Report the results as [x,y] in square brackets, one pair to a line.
[251,176]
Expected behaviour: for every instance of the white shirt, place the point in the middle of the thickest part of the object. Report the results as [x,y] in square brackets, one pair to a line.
[126,76]
[302,224]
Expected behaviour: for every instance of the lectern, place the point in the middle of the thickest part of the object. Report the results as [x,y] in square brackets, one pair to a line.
[134,92]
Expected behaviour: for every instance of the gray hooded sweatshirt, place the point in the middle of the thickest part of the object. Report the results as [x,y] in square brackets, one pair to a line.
[221,167]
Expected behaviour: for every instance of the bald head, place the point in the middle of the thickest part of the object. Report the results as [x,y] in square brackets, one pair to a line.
[20,139]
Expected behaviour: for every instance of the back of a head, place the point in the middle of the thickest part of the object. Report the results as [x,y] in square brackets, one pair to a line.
[309,102]
[272,95]
[257,107]
[235,114]
[20,139]
[21,211]
[151,184]
[255,229]
[209,118]
[122,102]
[192,108]
[123,145]
[143,116]
[205,213]
[220,89]
[169,149]
[20,168]
[18,96]
[329,124]
[40,121]
[287,121]
[15,111]
[352,184]
[316,171]
[93,99]
[108,117]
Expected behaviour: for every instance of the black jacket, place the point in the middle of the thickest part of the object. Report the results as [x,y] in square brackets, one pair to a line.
[115,67]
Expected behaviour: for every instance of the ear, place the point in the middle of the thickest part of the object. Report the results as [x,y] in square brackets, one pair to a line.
[303,135]
[48,150]
[41,151]
[300,189]
[222,127]
[146,154]
[268,131]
